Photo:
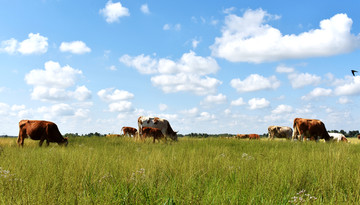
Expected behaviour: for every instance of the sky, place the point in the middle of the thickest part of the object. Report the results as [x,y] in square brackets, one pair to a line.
[206,66]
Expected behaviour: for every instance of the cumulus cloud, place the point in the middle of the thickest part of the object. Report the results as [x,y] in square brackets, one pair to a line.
[188,74]
[284,69]
[35,44]
[112,94]
[176,27]
[299,80]
[238,102]
[282,109]
[214,99]
[163,107]
[258,103]
[118,99]
[113,11]
[255,82]
[250,39]
[349,88]
[317,92]
[51,84]
[75,47]
[145,9]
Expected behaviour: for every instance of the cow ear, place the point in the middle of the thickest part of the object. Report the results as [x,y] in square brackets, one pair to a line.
[66,138]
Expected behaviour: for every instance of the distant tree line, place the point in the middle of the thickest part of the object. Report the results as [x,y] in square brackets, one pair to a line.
[96,134]
[352,133]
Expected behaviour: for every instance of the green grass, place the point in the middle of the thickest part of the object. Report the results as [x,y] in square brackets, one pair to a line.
[192,171]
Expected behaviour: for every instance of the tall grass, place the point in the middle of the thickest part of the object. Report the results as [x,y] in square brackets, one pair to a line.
[197,171]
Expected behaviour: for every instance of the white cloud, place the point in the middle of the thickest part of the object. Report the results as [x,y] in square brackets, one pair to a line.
[255,82]
[250,39]
[281,109]
[163,107]
[284,69]
[191,112]
[82,93]
[344,100]
[112,94]
[349,88]
[145,9]
[51,83]
[195,43]
[299,80]
[238,102]
[35,44]
[144,64]
[258,103]
[113,11]
[186,83]
[176,27]
[121,106]
[189,73]
[75,47]
[4,108]
[166,27]
[317,92]
[214,99]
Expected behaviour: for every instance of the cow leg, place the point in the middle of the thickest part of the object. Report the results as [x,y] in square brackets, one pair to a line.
[20,141]
[41,142]
[154,140]
[47,143]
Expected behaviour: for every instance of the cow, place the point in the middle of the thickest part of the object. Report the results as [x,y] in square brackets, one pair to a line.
[309,128]
[358,136]
[254,136]
[279,132]
[338,137]
[155,133]
[241,136]
[40,130]
[159,123]
[130,131]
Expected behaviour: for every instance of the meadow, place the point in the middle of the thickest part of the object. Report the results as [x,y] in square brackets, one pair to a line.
[99,170]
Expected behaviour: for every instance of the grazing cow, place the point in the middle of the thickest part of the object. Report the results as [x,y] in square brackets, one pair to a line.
[279,132]
[254,137]
[152,132]
[241,136]
[130,131]
[40,130]
[159,123]
[338,137]
[309,128]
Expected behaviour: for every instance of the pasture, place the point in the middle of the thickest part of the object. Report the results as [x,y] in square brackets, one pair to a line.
[99,170]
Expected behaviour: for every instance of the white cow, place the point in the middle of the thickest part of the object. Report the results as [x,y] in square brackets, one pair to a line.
[159,123]
[337,137]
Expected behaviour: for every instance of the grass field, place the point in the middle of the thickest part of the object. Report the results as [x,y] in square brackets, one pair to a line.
[99,170]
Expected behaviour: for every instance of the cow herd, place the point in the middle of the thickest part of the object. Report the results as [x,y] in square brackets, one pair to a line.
[304,129]
[158,128]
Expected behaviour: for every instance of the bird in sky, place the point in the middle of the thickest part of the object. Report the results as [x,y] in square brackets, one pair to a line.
[353,72]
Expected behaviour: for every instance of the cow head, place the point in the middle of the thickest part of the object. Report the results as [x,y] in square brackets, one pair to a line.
[64,142]
[173,136]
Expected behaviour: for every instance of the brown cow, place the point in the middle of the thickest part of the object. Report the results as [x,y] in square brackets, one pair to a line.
[309,128]
[40,130]
[358,136]
[254,137]
[241,136]
[130,131]
[155,133]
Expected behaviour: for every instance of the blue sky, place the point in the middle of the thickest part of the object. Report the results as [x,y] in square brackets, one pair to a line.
[206,66]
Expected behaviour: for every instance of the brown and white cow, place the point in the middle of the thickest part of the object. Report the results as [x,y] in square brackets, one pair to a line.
[130,131]
[309,128]
[242,136]
[40,130]
[337,137]
[279,132]
[155,133]
[159,123]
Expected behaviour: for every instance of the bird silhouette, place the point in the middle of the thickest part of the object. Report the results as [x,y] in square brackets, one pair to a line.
[353,72]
